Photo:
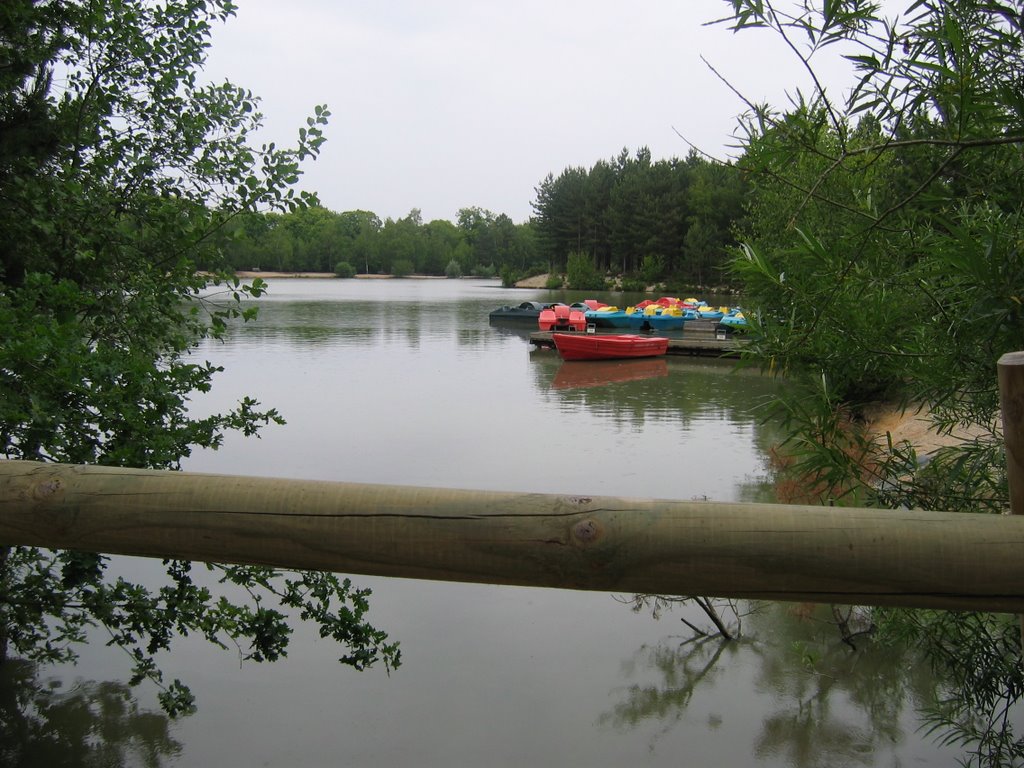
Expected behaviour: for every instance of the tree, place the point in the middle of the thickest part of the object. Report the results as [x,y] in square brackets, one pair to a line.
[117,170]
[715,199]
[561,216]
[312,230]
[398,244]
[358,230]
[631,208]
[883,257]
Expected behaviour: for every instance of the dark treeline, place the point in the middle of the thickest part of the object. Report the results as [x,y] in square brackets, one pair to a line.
[667,220]
[314,239]
[647,221]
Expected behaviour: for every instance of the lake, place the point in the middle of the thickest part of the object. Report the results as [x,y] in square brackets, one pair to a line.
[405,382]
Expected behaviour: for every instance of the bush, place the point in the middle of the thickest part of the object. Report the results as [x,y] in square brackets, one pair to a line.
[652,268]
[344,269]
[633,285]
[509,277]
[486,271]
[682,287]
[453,270]
[583,275]
[554,282]
[401,268]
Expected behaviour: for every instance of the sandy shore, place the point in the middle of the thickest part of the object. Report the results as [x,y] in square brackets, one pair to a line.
[537,281]
[915,427]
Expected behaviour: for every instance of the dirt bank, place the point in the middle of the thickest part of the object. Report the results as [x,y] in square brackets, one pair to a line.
[914,426]
[537,281]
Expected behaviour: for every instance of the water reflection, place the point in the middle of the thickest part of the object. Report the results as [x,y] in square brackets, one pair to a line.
[512,330]
[405,382]
[407,323]
[829,704]
[682,668]
[88,724]
[597,373]
[683,418]
[833,702]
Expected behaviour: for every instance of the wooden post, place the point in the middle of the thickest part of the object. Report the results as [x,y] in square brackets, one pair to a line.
[769,551]
[1011,403]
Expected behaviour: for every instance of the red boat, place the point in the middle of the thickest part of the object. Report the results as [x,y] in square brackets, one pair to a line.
[592,346]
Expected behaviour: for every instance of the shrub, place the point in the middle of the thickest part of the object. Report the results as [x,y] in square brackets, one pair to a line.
[401,268]
[453,270]
[583,275]
[509,277]
[486,271]
[652,268]
[344,269]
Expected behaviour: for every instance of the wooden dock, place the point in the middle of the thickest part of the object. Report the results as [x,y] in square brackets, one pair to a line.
[698,338]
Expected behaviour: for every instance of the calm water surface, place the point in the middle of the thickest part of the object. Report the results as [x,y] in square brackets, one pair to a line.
[406,382]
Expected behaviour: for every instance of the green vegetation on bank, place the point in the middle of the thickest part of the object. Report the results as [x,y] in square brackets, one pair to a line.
[645,222]
[315,239]
[118,169]
[882,256]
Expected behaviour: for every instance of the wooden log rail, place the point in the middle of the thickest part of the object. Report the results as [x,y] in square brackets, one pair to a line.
[776,552]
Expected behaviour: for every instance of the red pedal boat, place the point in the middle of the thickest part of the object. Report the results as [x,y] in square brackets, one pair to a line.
[592,346]
[562,317]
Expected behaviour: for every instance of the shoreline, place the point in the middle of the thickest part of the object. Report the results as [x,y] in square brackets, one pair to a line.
[911,424]
[246,273]
[538,281]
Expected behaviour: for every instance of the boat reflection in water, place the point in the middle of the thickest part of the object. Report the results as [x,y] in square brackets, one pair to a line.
[595,373]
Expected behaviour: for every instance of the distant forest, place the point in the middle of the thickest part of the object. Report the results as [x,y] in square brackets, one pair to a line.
[643,221]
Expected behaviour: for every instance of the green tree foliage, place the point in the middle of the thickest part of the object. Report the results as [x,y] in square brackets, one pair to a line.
[882,253]
[314,239]
[118,171]
[581,274]
[631,209]
[402,268]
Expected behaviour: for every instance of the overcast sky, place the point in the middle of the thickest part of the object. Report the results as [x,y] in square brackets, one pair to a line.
[445,104]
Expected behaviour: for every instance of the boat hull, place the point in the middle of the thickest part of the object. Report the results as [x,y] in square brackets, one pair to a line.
[644,322]
[591,346]
[734,322]
[526,312]
[603,319]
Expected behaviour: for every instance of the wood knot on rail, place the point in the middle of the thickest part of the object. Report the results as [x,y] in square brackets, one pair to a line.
[47,489]
[586,531]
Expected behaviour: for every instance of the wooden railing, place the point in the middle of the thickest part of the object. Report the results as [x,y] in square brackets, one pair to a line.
[770,551]
[809,553]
